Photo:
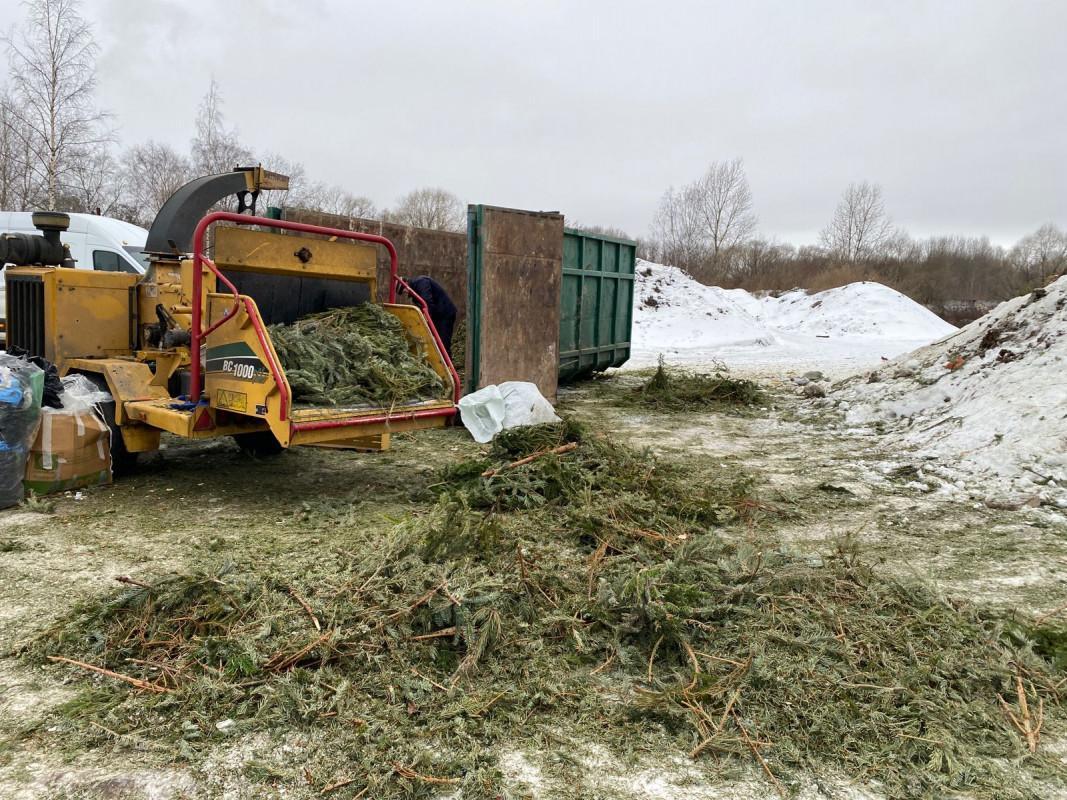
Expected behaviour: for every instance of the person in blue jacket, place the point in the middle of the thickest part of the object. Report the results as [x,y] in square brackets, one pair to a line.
[442,310]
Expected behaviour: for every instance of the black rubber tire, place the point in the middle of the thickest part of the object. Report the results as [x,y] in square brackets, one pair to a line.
[260,444]
[123,461]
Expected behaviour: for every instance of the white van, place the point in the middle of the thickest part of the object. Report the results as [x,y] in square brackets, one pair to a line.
[99,243]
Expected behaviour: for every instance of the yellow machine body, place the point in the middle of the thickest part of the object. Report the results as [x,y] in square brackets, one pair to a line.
[98,323]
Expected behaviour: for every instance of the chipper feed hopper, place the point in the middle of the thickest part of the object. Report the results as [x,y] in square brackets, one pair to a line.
[185,348]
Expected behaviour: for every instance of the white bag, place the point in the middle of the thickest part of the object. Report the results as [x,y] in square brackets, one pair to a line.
[511,404]
[80,393]
[482,413]
[525,405]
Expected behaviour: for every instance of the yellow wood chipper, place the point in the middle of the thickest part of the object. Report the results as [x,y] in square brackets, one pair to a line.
[185,348]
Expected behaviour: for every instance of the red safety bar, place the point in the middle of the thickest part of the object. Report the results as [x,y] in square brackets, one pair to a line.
[197,335]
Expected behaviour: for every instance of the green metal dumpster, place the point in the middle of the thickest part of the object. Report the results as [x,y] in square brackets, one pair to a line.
[595,296]
[596,303]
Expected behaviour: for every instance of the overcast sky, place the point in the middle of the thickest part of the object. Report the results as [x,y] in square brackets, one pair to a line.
[958,109]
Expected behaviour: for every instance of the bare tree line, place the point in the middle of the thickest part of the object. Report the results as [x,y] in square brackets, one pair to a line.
[58,150]
[708,227]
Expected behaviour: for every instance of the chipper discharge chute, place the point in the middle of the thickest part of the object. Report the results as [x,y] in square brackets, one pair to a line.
[186,348]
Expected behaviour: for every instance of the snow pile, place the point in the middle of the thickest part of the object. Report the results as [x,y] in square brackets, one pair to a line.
[851,326]
[858,309]
[673,310]
[989,402]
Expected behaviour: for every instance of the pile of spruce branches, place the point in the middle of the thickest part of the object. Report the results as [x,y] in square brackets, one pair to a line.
[359,355]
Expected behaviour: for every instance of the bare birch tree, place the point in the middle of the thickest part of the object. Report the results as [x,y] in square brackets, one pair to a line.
[94,182]
[437,209]
[724,204]
[757,255]
[678,231]
[53,74]
[153,171]
[335,200]
[17,187]
[1042,253]
[860,227]
[216,148]
[298,184]
[702,225]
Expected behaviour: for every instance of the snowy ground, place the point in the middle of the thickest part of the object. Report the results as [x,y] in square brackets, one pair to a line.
[983,406]
[839,331]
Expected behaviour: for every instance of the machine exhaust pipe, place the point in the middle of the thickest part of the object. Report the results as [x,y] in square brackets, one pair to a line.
[28,250]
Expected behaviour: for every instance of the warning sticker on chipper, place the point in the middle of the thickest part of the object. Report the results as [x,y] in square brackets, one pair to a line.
[233,401]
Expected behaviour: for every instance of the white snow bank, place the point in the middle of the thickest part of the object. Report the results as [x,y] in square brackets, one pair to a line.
[673,310]
[858,309]
[848,328]
[989,402]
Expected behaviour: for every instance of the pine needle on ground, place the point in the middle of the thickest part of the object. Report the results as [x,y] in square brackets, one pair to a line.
[677,389]
[592,591]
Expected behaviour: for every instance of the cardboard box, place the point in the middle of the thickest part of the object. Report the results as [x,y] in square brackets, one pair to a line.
[72,450]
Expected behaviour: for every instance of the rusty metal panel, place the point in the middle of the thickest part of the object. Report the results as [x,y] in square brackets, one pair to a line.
[516,264]
[442,255]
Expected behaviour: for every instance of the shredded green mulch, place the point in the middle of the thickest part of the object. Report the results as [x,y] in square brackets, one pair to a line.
[360,355]
[677,389]
[591,590]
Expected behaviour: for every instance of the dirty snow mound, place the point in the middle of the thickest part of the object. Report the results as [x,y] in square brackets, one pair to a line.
[855,325]
[989,402]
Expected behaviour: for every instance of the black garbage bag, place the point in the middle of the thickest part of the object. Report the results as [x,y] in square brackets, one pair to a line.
[53,385]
